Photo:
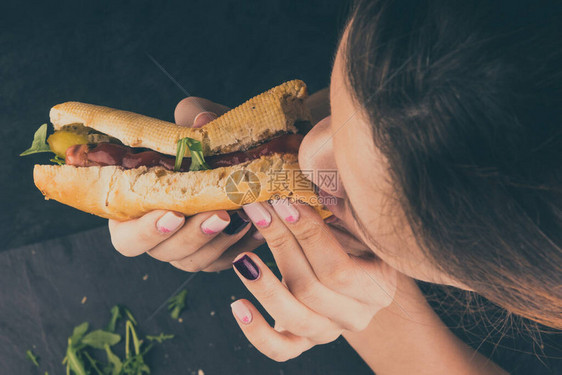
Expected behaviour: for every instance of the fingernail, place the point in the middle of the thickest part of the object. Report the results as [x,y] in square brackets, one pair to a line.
[203,118]
[214,224]
[170,222]
[258,236]
[237,223]
[247,268]
[258,214]
[286,210]
[241,312]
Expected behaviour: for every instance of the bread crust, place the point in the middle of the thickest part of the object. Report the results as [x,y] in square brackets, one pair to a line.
[270,113]
[122,194]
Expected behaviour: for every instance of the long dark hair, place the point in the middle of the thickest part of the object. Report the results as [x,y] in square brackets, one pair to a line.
[465,101]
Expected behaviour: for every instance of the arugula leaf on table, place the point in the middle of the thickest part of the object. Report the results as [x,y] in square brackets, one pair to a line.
[176,304]
[115,364]
[135,366]
[134,363]
[93,363]
[99,339]
[73,361]
[115,316]
[129,315]
[80,358]
[79,332]
[32,357]
[118,312]
[160,338]
[77,344]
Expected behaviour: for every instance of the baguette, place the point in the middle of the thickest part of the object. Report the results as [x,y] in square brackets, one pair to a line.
[115,192]
[264,116]
[123,194]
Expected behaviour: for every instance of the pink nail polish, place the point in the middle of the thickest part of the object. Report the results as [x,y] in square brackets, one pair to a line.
[286,210]
[241,312]
[258,214]
[169,222]
[214,224]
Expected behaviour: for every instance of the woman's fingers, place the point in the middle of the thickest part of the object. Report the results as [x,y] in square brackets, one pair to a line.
[320,246]
[301,277]
[297,228]
[280,303]
[196,112]
[137,236]
[196,232]
[279,346]
[208,253]
[345,274]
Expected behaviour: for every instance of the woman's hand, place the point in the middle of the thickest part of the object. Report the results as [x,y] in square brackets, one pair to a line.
[208,241]
[324,292]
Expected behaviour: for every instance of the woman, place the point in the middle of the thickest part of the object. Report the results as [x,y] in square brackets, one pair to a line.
[445,134]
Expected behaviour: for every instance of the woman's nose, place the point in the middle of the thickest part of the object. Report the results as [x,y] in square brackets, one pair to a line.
[316,158]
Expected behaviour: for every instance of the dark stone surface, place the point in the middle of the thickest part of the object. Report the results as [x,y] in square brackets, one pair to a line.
[43,286]
[96,52]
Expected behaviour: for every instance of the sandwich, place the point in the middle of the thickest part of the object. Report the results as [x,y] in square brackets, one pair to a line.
[120,165]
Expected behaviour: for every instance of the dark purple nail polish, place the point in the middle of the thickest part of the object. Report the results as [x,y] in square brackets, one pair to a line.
[247,268]
[237,223]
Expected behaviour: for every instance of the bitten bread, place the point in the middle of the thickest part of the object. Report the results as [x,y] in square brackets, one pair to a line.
[264,116]
[106,186]
[122,194]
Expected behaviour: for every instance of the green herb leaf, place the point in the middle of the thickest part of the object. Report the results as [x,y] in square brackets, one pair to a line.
[195,149]
[135,366]
[32,357]
[59,161]
[160,338]
[115,315]
[79,332]
[39,143]
[80,358]
[129,315]
[74,362]
[118,312]
[136,342]
[93,363]
[176,304]
[99,339]
[114,361]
